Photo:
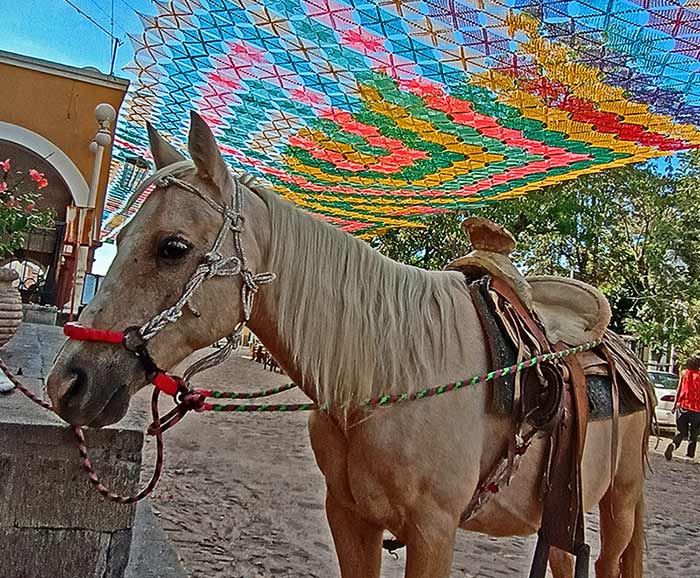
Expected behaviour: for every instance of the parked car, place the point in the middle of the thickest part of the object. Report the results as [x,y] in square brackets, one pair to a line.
[665,385]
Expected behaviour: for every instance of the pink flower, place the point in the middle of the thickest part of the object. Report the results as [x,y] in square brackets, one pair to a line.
[11,204]
[29,207]
[5,165]
[3,187]
[36,175]
[43,183]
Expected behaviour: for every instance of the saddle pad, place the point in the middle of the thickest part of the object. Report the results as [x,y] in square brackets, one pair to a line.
[571,311]
[500,346]
[600,398]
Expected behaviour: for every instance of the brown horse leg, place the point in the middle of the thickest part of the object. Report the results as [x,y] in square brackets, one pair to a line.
[358,544]
[617,526]
[561,563]
[429,550]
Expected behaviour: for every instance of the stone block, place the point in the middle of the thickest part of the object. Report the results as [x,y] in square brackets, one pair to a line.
[39,314]
[53,524]
[50,553]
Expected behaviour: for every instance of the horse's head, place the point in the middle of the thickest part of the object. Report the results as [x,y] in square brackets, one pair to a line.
[169,243]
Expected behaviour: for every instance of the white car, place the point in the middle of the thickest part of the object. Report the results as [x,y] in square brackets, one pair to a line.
[665,385]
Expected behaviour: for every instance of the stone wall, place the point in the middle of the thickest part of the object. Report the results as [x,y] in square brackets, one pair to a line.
[53,524]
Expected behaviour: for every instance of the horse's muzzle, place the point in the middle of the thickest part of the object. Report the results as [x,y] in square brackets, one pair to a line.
[90,386]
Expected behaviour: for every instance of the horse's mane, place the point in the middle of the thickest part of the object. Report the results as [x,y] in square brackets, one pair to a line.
[357,323]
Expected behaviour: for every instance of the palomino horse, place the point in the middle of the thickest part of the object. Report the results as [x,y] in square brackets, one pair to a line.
[346,324]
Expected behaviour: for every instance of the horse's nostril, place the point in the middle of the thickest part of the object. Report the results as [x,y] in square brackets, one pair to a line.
[78,384]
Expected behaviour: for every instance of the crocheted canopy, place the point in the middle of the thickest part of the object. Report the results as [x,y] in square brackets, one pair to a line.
[374,113]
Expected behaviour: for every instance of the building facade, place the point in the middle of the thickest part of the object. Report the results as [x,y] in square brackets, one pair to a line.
[47,123]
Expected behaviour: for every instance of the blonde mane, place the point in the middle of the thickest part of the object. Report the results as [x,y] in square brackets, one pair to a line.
[357,323]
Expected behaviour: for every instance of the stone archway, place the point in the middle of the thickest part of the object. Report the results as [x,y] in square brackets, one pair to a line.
[12,134]
[66,186]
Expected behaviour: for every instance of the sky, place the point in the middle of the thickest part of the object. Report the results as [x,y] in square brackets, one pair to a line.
[54,30]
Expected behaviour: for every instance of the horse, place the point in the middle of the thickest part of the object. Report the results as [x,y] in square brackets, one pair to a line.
[345,323]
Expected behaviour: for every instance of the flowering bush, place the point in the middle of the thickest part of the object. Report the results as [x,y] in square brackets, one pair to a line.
[19,192]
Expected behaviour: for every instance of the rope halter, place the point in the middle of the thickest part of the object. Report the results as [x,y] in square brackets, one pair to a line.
[213,264]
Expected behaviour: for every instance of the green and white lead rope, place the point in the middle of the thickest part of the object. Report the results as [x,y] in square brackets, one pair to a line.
[380,401]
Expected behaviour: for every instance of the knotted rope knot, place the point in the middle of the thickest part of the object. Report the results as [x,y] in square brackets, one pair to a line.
[193,400]
[187,400]
[254,281]
[237,221]
[251,285]
[212,258]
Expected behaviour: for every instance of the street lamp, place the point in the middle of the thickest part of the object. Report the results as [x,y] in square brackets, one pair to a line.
[134,168]
[105,115]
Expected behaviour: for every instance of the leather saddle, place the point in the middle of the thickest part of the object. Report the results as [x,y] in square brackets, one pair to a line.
[571,312]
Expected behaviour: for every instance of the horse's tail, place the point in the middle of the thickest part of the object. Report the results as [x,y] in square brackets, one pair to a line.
[633,556]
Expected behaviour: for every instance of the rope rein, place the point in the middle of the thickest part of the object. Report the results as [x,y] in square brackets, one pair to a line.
[195,400]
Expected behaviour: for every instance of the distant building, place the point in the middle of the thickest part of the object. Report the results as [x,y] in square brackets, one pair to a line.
[47,122]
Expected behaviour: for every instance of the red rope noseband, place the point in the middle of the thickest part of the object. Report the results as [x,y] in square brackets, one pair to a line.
[161,380]
[81,333]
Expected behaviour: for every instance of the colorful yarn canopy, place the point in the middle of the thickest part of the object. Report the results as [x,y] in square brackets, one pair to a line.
[374,113]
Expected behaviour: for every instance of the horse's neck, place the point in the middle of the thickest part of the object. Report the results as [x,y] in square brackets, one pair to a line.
[367,327]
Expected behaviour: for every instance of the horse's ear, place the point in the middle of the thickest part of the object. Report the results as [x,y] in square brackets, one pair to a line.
[205,154]
[163,152]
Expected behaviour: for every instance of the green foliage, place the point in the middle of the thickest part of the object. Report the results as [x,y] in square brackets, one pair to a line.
[430,247]
[19,193]
[633,232]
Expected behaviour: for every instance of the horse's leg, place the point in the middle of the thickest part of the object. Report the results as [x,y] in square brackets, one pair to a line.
[561,563]
[618,527]
[358,544]
[633,556]
[430,547]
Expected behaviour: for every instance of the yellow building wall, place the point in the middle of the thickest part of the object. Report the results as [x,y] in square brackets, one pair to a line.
[62,110]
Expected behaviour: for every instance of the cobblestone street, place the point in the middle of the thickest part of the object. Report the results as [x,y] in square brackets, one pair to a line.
[242,498]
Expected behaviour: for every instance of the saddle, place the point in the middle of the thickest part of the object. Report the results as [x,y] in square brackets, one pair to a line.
[571,312]
[525,316]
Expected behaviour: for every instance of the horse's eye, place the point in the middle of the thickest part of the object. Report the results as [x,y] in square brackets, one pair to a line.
[173,248]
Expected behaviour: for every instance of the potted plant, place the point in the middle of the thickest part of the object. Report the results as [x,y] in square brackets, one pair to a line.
[19,214]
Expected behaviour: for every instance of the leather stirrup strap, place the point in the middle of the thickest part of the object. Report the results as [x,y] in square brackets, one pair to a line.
[615,394]
[562,519]
[509,295]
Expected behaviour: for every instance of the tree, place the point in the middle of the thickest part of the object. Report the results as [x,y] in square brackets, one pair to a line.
[633,232]
[429,247]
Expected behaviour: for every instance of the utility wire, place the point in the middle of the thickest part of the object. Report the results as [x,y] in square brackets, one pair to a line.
[112,21]
[91,19]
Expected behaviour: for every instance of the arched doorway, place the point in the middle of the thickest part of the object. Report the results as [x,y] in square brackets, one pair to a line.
[45,150]
[66,186]
[32,279]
